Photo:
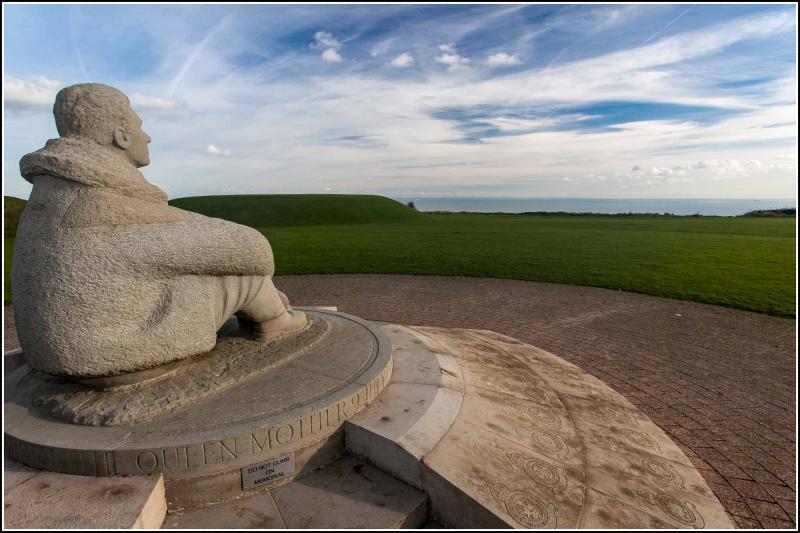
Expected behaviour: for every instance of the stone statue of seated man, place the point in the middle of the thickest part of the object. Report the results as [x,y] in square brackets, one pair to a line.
[107,278]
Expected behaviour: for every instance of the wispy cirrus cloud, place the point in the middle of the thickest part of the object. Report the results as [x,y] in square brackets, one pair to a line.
[196,53]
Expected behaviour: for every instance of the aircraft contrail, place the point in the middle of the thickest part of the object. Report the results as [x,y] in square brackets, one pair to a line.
[198,48]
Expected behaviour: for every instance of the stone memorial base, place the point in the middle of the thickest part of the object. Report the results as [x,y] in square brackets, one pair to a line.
[394,426]
[498,433]
[268,426]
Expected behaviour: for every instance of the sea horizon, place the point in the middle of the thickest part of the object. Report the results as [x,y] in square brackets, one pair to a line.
[674,206]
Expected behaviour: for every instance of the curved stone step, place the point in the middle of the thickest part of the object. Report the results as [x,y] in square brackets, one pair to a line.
[33,499]
[345,494]
[499,433]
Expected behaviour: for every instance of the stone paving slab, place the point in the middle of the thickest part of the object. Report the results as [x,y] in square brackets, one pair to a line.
[345,494]
[253,512]
[350,494]
[720,382]
[33,499]
[523,454]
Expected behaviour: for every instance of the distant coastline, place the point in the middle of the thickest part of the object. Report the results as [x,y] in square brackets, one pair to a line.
[601,206]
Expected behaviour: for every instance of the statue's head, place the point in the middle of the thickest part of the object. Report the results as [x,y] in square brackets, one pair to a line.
[104,115]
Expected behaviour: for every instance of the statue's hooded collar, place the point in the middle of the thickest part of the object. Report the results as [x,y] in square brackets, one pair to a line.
[86,162]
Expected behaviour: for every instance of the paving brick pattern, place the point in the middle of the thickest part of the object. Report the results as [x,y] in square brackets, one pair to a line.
[720,382]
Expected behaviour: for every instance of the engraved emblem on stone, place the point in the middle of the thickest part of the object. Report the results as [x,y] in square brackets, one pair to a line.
[538,395]
[681,511]
[662,470]
[549,444]
[527,509]
[542,472]
[640,439]
[620,413]
[598,393]
[542,415]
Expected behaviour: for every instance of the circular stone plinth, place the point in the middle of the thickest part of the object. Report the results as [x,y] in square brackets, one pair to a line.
[499,433]
[286,413]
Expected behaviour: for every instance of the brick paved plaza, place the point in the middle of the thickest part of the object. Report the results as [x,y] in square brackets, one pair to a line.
[721,382]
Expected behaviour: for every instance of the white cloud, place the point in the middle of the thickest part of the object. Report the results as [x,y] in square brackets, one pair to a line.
[503,59]
[34,92]
[155,103]
[711,169]
[213,150]
[403,60]
[332,56]
[325,39]
[452,60]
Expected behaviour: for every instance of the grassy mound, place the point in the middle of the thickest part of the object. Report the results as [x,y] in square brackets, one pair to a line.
[785,212]
[275,210]
[12,210]
[743,262]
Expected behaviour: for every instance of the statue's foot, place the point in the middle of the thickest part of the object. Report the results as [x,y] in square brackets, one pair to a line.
[286,324]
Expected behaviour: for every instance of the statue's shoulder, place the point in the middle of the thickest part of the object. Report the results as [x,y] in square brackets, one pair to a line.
[105,207]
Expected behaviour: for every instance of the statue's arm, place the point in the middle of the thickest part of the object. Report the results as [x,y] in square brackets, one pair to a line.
[199,246]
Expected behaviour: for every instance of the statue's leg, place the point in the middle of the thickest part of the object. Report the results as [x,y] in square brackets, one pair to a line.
[269,309]
[285,300]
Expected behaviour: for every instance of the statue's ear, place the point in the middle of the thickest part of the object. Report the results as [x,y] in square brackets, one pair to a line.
[121,138]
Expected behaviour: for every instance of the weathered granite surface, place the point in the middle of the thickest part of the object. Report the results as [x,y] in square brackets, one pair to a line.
[33,499]
[233,360]
[345,494]
[293,410]
[500,434]
[107,277]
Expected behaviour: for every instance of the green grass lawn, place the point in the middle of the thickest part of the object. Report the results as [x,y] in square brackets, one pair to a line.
[747,263]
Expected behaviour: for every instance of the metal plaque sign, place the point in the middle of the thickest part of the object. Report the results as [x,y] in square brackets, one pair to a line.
[261,474]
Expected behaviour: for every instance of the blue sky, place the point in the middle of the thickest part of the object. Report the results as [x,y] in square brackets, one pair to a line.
[562,100]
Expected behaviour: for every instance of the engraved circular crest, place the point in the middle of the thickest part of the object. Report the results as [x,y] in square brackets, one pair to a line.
[527,509]
[640,439]
[549,443]
[542,415]
[500,491]
[539,396]
[683,512]
[598,393]
[541,472]
[619,413]
[663,471]
[544,473]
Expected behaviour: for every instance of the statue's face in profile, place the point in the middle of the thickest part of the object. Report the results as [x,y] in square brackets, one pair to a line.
[138,152]
[133,140]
